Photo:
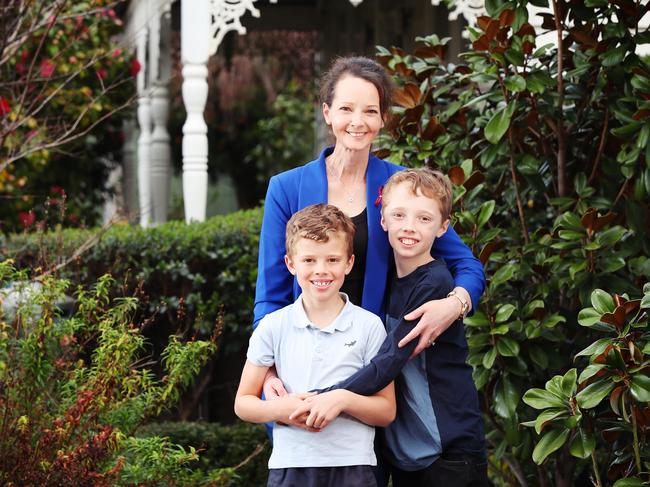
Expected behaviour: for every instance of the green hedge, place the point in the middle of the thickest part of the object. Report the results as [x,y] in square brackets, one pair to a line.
[220,447]
[185,275]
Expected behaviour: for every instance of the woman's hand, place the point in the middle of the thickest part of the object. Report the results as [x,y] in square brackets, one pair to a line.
[286,407]
[436,317]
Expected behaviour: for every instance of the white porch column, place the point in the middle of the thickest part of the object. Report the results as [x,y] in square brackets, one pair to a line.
[129,168]
[195,40]
[144,140]
[160,60]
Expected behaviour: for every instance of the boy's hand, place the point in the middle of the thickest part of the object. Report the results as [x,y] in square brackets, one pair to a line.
[322,409]
[287,404]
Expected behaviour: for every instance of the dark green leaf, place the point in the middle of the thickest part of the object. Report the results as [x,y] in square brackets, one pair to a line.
[590,371]
[538,355]
[591,395]
[550,442]
[505,273]
[630,482]
[640,387]
[583,444]
[543,399]
[602,301]
[504,312]
[487,208]
[489,357]
[548,415]
[588,317]
[612,57]
[499,123]
[507,347]
[569,385]
[595,348]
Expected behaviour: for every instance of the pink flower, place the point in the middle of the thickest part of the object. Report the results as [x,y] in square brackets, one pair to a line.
[4,106]
[47,68]
[116,53]
[135,67]
[27,218]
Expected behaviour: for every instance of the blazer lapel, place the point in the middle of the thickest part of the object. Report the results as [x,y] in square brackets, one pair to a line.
[313,182]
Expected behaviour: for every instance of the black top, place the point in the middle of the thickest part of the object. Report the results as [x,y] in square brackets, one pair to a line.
[353,285]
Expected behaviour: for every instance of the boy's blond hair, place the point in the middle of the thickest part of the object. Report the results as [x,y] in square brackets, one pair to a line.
[317,222]
[430,183]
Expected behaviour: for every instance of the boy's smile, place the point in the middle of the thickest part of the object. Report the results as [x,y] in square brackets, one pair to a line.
[320,268]
[413,221]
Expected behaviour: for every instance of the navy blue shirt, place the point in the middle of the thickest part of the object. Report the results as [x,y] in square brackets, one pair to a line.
[437,402]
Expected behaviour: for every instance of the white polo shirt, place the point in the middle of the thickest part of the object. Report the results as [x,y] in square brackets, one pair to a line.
[308,358]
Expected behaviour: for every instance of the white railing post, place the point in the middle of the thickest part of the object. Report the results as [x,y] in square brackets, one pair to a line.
[144,140]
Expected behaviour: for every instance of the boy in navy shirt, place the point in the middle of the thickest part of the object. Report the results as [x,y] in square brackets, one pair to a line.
[437,438]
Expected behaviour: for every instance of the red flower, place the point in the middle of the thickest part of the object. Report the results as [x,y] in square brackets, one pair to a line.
[27,218]
[101,73]
[380,193]
[47,68]
[23,55]
[116,52]
[57,190]
[135,67]
[4,106]
[20,68]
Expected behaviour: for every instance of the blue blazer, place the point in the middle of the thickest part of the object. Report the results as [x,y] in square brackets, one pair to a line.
[306,185]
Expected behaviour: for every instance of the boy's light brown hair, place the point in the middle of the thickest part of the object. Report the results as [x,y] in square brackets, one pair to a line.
[430,183]
[317,223]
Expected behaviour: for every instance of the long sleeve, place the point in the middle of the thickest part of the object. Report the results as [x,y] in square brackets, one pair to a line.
[390,359]
[274,288]
[466,269]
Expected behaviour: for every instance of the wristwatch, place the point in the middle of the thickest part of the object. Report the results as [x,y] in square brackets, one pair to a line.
[464,305]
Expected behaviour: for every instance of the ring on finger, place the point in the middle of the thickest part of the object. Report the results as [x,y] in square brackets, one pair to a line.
[432,342]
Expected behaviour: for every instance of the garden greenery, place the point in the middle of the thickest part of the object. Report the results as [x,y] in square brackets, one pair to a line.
[74,389]
[548,151]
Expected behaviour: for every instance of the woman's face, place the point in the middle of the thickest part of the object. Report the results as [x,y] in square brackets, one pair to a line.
[354,115]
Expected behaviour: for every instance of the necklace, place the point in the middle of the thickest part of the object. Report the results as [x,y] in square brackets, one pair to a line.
[350,196]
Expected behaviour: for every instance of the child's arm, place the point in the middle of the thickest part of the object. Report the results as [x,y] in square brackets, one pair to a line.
[390,359]
[249,406]
[377,410]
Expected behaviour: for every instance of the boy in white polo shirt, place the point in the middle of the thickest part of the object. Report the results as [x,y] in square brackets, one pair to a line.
[320,339]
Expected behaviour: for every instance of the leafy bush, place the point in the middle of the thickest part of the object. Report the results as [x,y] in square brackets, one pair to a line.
[242,445]
[550,159]
[74,389]
[186,275]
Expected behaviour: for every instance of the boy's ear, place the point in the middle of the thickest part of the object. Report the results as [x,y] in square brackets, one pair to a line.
[289,263]
[443,228]
[349,265]
[382,222]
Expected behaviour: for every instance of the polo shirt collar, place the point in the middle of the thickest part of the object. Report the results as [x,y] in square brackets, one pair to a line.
[341,323]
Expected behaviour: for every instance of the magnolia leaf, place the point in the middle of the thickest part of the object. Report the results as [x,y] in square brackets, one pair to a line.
[515,83]
[543,399]
[589,317]
[591,395]
[569,385]
[550,442]
[590,371]
[583,444]
[508,347]
[602,301]
[504,312]
[489,357]
[484,215]
[499,123]
[548,415]
[630,482]
[640,387]
[595,348]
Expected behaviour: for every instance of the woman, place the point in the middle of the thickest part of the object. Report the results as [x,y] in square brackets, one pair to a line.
[356,97]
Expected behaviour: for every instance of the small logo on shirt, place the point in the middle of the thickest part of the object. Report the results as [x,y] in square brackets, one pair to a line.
[351,344]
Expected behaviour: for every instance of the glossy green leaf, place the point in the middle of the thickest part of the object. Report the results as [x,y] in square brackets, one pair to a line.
[630,482]
[543,399]
[611,236]
[550,442]
[590,371]
[504,312]
[478,319]
[515,83]
[538,355]
[595,348]
[503,274]
[588,317]
[640,387]
[485,213]
[508,347]
[548,415]
[506,398]
[602,301]
[569,385]
[583,444]
[591,395]
[499,123]
[489,357]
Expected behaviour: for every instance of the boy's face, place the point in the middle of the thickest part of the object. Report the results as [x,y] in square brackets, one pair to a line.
[320,267]
[413,222]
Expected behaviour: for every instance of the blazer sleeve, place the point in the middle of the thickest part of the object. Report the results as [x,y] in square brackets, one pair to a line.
[466,269]
[274,288]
